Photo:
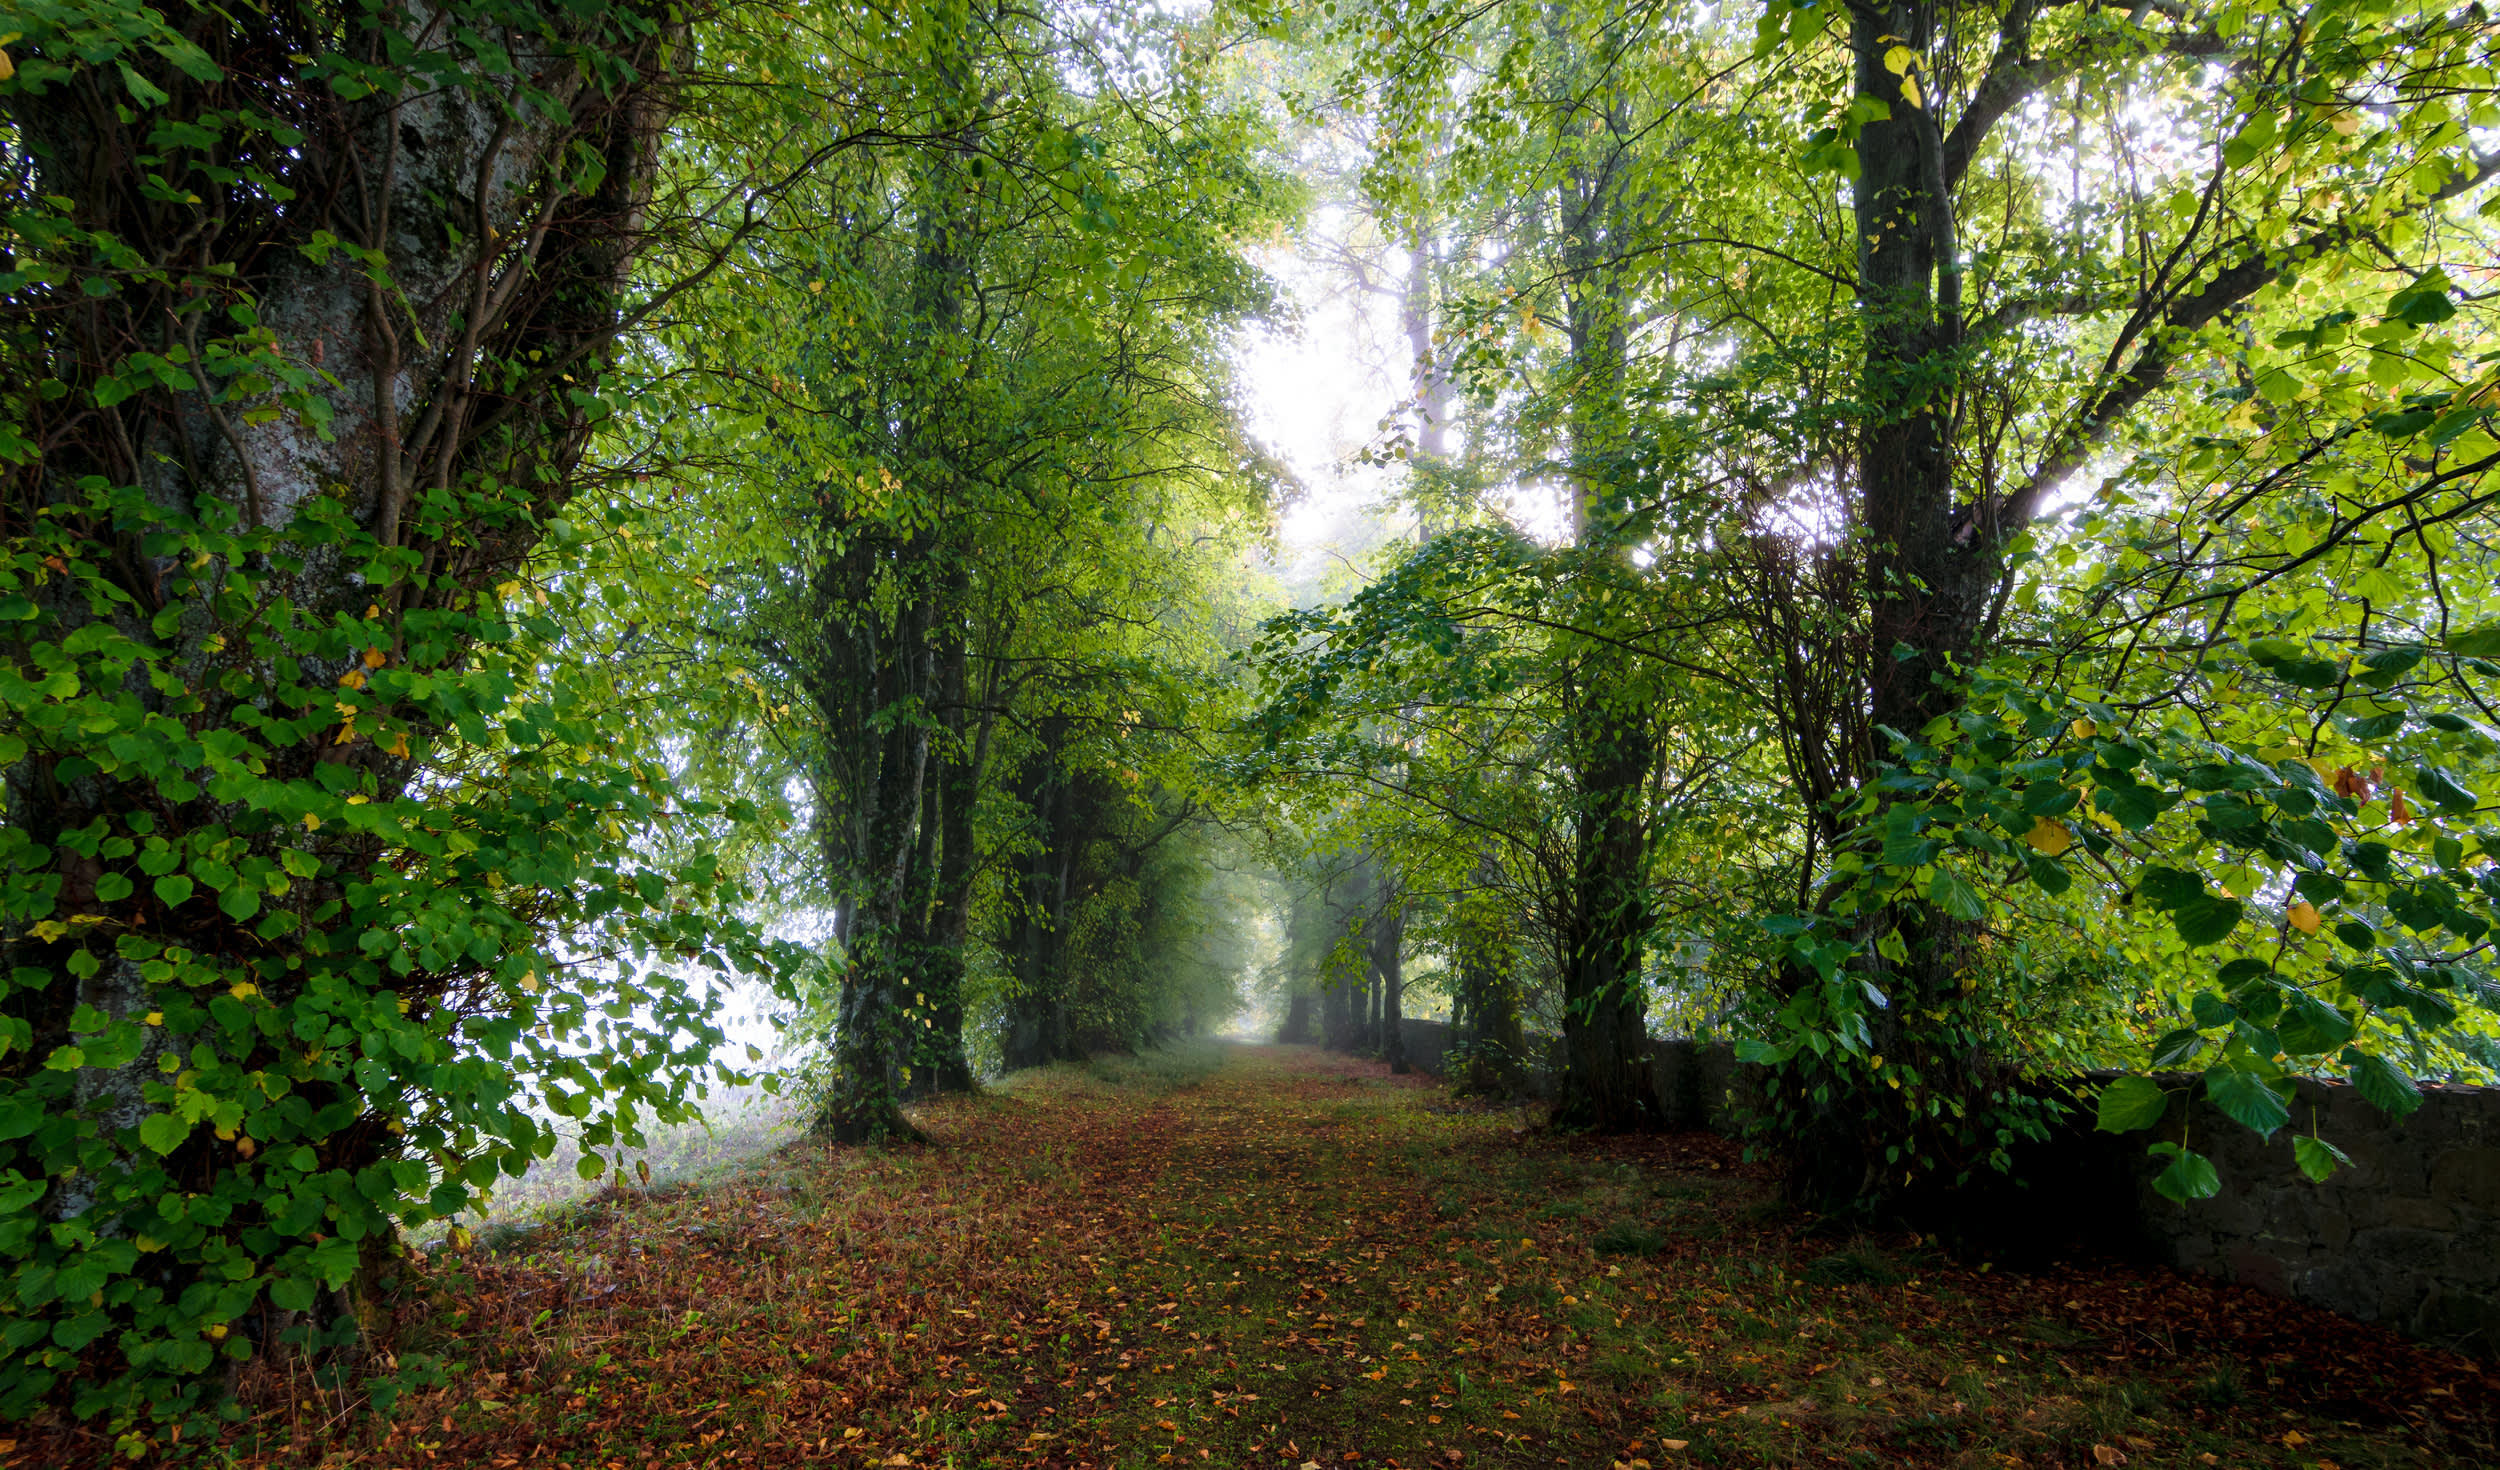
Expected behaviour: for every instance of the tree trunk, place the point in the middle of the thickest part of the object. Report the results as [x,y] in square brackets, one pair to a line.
[947,1067]
[1388,959]
[1607,1083]
[874,1021]
[1296,1031]
[1485,1027]
[427,429]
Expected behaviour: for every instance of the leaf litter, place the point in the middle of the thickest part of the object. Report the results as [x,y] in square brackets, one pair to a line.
[1268,1256]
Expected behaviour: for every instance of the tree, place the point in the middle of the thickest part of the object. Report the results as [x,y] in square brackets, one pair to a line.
[315,882]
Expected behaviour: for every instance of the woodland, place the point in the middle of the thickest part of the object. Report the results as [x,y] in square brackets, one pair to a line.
[1939,543]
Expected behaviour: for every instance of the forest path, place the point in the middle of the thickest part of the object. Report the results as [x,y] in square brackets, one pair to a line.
[1272,1256]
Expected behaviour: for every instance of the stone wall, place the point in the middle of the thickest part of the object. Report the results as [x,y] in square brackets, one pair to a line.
[2407,1236]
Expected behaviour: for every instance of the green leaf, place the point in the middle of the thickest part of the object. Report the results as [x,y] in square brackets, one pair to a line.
[2246,1098]
[2049,873]
[2444,789]
[2130,1103]
[2317,1158]
[2293,663]
[2208,920]
[2422,305]
[2310,1027]
[1947,891]
[2389,1090]
[173,890]
[2167,888]
[239,902]
[148,94]
[2190,1176]
[2178,1048]
[163,1132]
[2483,642]
[591,1166]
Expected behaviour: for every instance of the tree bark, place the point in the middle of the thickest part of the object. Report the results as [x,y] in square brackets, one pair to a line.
[1388,946]
[429,430]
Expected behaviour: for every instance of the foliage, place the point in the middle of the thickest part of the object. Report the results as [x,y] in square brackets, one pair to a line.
[966,502]
[1852,453]
[330,877]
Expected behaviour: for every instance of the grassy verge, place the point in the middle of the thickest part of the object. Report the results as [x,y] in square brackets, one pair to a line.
[1270,1257]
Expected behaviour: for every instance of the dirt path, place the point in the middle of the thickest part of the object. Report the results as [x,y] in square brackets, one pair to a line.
[1273,1257]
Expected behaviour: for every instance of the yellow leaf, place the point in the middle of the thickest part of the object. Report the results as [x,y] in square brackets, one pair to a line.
[1909,92]
[8,68]
[243,990]
[1899,60]
[375,658]
[2047,837]
[156,1018]
[2083,729]
[352,679]
[2303,916]
[311,822]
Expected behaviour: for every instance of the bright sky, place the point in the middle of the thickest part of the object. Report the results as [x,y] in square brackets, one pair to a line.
[1318,389]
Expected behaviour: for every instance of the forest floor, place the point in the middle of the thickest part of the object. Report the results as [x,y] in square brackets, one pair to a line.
[1270,1256]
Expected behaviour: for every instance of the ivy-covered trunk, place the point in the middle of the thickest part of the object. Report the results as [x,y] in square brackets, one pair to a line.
[944,1065]
[873,841]
[1607,1083]
[883,1023]
[1036,940]
[269,476]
